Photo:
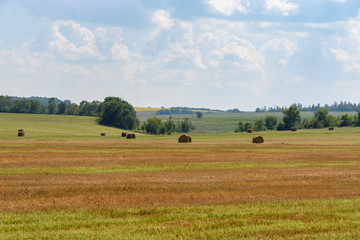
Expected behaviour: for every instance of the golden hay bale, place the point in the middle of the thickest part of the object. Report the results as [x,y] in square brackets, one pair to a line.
[103,134]
[130,136]
[21,133]
[184,139]
[249,130]
[293,129]
[331,128]
[258,139]
[123,134]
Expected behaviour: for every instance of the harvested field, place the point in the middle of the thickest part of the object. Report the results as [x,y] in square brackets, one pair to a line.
[298,186]
[97,174]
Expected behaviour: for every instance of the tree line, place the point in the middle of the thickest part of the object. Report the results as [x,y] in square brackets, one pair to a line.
[292,119]
[335,107]
[113,111]
[155,126]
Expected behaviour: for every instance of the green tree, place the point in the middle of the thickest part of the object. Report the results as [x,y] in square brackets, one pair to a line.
[184,126]
[357,119]
[243,127]
[259,125]
[346,120]
[153,125]
[169,126]
[5,103]
[51,109]
[271,122]
[72,109]
[291,117]
[118,113]
[61,108]
[20,106]
[199,115]
[36,107]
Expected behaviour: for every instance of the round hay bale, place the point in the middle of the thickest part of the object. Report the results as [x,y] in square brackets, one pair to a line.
[293,129]
[331,128]
[184,139]
[189,138]
[123,134]
[21,133]
[249,130]
[258,139]
[130,136]
[102,134]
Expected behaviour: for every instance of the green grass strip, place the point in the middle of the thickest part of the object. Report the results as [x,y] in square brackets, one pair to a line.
[311,219]
[165,167]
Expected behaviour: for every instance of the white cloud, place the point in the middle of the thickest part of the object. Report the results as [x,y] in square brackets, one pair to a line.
[82,43]
[228,7]
[120,52]
[280,49]
[348,46]
[281,6]
[163,19]
[341,1]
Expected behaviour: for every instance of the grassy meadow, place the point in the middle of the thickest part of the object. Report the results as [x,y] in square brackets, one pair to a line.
[64,181]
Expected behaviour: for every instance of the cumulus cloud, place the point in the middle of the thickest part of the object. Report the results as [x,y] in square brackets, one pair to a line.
[348,46]
[73,41]
[228,7]
[163,19]
[283,7]
[282,49]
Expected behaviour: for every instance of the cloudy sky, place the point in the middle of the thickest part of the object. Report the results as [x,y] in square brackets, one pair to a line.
[198,53]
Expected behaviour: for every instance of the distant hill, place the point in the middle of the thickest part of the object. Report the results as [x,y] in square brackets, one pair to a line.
[43,100]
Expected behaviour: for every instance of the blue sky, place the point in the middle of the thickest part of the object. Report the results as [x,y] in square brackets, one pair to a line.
[198,53]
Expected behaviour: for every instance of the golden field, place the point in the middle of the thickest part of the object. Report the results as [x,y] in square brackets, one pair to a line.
[294,186]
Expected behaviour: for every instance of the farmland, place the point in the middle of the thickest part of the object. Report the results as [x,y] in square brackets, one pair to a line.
[63,180]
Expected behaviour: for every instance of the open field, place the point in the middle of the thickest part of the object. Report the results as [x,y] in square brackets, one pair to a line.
[220,122]
[63,181]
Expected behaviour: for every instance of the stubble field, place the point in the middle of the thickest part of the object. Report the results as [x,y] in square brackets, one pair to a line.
[303,185]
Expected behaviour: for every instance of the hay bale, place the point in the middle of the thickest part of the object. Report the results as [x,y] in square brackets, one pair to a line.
[184,139]
[103,134]
[21,133]
[249,130]
[258,139]
[123,134]
[130,136]
[331,128]
[293,129]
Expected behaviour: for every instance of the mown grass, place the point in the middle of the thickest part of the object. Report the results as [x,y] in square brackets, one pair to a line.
[64,181]
[315,219]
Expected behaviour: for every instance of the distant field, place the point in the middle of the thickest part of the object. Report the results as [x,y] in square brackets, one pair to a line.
[64,181]
[219,122]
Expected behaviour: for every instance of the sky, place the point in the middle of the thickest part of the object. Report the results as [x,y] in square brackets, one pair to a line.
[218,54]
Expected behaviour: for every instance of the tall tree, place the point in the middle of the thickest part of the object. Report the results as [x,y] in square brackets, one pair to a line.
[118,113]
[61,108]
[291,117]
[51,106]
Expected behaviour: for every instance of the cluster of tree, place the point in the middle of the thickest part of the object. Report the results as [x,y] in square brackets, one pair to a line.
[270,122]
[322,119]
[112,112]
[37,105]
[235,110]
[335,107]
[118,113]
[292,118]
[155,126]
[8,104]
[174,110]
[186,110]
